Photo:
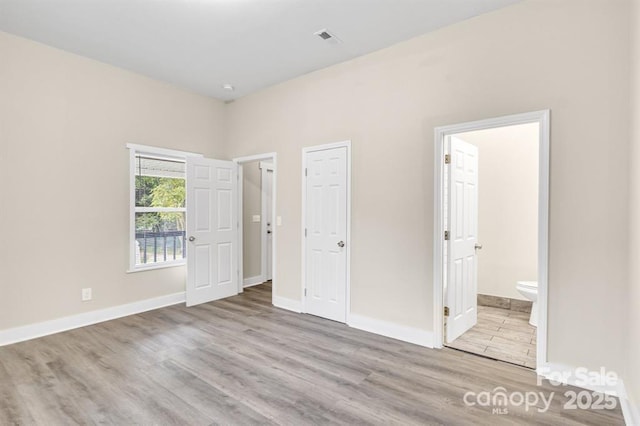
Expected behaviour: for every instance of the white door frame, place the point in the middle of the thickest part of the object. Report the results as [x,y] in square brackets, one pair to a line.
[344,144]
[272,158]
[543,119]
[265,166]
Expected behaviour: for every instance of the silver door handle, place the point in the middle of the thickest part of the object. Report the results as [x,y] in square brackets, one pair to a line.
[478,246]
[192,238]
[340,244]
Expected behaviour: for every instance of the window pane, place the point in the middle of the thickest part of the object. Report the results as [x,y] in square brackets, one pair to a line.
[147,166]
[159,192]
[160,237]
[159,183]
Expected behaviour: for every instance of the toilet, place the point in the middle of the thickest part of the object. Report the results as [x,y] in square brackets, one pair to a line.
[529,289]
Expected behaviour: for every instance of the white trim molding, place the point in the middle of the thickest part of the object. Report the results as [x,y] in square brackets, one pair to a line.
[601,381]
[630,411]
[441,133]
[251,281]
[161,152]
[267,156]
[32,331]
[389,329]
[344,144]
[288,304]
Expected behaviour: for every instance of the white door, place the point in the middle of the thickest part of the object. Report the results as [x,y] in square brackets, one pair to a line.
[267,214]
[326,232]
[462,285]
[212,230]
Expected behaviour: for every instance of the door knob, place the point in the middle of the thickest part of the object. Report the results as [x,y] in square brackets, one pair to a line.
[341,244]
[192,238]
[269,231]
[478,246]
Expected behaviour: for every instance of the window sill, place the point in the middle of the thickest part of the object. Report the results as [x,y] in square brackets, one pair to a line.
[154,267]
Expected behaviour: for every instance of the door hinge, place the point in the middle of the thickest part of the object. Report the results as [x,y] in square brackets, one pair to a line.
[305,292]
[305,171]
[446,235]
[305,232]
[446,311]
[447,159]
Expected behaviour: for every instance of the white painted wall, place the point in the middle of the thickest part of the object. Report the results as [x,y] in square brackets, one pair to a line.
[570,56]
[507,207]
[64,177]
[251,237]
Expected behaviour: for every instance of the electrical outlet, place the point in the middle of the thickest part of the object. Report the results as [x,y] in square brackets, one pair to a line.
[86,294]
[256,218]
[279,220]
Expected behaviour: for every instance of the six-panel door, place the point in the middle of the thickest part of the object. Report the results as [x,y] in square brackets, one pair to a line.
[326,222]
[462,286]
[212,231]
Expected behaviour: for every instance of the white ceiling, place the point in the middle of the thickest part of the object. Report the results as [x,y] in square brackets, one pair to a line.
[202,44]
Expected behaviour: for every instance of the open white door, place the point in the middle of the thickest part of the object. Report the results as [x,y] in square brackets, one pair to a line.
[326,233]
[212,230]
[462,286]
[267,219]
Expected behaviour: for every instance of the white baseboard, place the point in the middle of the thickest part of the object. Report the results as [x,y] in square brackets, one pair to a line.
[288,304]
[251,281]
[612,387]
[389,329]
[630,411]
[32,331]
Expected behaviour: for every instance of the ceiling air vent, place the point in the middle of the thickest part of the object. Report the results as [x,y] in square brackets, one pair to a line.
[327,36]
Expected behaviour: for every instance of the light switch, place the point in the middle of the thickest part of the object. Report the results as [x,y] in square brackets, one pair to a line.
[256,218]
[279,220]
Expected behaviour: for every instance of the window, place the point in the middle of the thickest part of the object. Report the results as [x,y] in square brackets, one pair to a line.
[158,216]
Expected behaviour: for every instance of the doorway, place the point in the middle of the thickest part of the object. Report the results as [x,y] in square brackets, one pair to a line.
[267,225]
[326,217]
[484,288]
[257,191]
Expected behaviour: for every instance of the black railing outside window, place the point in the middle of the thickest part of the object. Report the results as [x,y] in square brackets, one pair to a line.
[160,246]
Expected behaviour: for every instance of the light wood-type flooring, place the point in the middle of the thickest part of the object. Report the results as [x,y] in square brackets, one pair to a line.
[241,361]
[501,334]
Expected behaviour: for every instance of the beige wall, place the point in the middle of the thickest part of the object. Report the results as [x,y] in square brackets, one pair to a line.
[570,56]
[251,235]
[64,177]
[507,207]
[632,376]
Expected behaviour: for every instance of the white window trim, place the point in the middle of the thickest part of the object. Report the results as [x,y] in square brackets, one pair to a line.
[159,209]
[161,153]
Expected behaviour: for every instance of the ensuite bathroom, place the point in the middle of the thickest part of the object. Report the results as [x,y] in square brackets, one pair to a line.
[507,245]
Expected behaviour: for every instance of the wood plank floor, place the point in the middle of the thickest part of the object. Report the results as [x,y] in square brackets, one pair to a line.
[241,361]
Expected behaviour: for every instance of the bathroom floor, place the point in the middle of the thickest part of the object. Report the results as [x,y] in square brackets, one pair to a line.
[501,334]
